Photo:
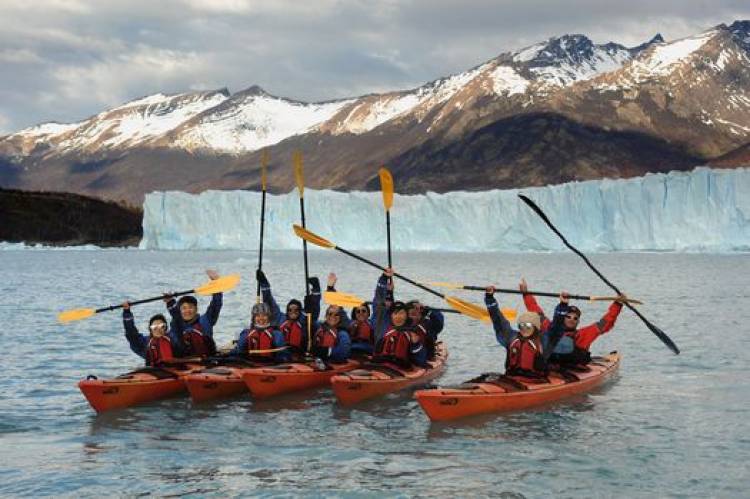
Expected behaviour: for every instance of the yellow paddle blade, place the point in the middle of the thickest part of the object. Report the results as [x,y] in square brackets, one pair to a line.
[263,165]
[312,238]
[75,315]
[220,285]
[509,313]
[470,309]
[440,284]
[345,300]
[299,175]
[386,185]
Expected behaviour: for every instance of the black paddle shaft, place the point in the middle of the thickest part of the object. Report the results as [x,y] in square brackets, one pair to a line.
[658,332]
[147,300]
[262,224]
[519,292]
[373,264]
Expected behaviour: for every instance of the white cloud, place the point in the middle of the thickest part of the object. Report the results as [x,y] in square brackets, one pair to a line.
[19,56]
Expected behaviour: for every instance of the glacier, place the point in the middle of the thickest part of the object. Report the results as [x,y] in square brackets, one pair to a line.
[704,210]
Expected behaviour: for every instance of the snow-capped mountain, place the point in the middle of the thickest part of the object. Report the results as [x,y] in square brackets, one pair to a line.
[558,110]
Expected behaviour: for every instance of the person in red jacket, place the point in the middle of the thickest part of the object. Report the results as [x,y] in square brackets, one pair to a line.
[573,347]
[156,348]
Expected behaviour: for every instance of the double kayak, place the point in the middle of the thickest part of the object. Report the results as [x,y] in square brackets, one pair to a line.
[491,393]
[269,381]
[221,381]
[372,380]
[144,385]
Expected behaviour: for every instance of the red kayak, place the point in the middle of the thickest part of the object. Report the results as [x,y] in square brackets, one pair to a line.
[499,393]
[373,380]
[222,381]
[264,382]
[137,387]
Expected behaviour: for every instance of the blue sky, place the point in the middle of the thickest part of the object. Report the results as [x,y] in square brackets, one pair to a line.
[64,60]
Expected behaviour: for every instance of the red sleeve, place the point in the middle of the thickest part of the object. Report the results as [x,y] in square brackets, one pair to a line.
[532,306]
[586,335]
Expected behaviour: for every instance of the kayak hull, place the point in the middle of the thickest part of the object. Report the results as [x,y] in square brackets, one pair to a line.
[514,393]
[372,380]
[135,388]
[215,384]
[270,381]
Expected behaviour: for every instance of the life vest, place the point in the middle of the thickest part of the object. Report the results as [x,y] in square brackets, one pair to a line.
[196,343]
[571,354]
[259,342]
[294,335]
[524,355]
[326,337]
[158,350]
[395,344]
[361,331]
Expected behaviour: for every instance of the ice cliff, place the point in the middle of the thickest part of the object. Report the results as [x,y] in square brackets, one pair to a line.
[706,210]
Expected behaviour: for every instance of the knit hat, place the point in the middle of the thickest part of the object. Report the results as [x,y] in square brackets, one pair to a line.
[294,301]
[261,308]
[187,299]
[531,317]
[157,317]
[397,305]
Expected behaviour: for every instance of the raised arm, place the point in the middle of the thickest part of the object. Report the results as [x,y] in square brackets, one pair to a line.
[532,305]
[503,332]
[136,340]
[586,335]
[268,299]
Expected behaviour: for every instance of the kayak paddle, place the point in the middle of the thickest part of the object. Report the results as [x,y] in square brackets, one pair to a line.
[466,308]
[658,332]
[219,285]
[536,293]
[300,178]
[348,300]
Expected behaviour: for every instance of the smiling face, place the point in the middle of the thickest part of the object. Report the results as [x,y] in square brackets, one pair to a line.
[158,328]
[415,312]
[361,313]
[333,317]
[398,317]
[262,320]
[571,320]
[188,311]
[293,311]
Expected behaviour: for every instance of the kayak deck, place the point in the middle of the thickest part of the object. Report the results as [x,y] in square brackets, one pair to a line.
[141,386]
[373,380]
[264,382]
[499,393]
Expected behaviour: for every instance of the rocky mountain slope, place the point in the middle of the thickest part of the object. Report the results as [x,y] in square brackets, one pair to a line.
[559,110]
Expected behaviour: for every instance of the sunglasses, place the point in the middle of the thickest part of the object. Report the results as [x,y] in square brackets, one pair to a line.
[332,314]
[160,325]
[525,325]
[361,311]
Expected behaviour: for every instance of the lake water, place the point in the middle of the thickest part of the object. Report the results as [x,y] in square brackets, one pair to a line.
[667,426]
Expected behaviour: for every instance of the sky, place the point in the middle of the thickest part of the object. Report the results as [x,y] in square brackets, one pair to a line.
[65,60]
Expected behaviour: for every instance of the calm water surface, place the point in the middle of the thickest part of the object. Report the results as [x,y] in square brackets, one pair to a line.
[668,426]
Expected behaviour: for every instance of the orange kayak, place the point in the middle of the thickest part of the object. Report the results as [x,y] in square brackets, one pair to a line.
[499,393]
[137,387]
[373,380]
[264,382]
[220,381]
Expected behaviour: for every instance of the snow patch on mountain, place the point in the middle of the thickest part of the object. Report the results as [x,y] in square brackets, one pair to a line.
[507,81]
[259,121]
[661,59]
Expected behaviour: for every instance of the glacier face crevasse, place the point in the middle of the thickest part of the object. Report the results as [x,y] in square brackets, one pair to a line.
[703,210]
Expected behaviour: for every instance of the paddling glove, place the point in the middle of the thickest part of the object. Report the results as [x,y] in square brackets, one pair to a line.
[314,284]
[261,278]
